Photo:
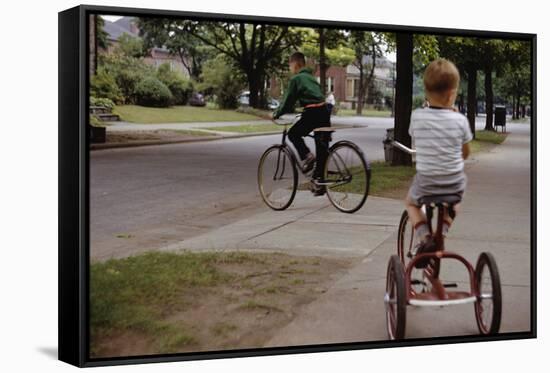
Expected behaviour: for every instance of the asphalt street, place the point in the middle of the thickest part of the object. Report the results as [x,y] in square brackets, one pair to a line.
[171,190]
[147,197]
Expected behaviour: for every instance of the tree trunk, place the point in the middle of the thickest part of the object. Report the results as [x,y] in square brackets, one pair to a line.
[489,99]
[263,94]
[361,90]
[93,45]
[472,97]
[322,62]
[254,87]
[403,97]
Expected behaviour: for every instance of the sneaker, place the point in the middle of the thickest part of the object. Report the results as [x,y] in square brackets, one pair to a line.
[424,247]
[308,163]
[318,190]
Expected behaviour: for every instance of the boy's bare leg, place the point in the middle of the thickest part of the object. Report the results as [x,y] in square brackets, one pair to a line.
[415,213]
[447,220]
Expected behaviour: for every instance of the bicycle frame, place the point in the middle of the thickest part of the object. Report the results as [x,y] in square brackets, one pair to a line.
[326,144]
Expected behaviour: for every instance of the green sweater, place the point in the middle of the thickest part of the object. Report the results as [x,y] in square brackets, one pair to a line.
[302,87]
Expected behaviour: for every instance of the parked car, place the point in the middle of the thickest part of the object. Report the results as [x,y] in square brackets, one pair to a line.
[244,100]
[197,99]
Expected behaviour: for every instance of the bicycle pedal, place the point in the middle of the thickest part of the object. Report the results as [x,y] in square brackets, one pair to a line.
[450,285]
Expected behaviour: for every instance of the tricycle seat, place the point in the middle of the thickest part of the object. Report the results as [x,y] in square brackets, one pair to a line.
[449,199]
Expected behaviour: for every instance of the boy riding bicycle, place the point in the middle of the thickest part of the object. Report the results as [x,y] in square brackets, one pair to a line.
[304,89]
[441,137]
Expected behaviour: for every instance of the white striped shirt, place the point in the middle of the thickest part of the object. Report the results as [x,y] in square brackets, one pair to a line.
[438,135]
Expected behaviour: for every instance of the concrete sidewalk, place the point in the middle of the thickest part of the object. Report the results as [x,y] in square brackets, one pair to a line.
[311,226]
[495,217]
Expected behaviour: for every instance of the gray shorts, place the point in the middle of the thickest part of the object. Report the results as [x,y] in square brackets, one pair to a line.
[430,185]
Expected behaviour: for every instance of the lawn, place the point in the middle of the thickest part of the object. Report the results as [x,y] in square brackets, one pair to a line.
[161,302]
[486,139]
[385,181]
[250,128]
[178,114]
[366,113]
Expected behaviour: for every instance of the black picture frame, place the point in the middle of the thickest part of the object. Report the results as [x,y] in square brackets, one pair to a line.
[73,250]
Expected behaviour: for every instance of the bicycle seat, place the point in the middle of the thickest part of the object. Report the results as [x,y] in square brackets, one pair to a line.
[450,199]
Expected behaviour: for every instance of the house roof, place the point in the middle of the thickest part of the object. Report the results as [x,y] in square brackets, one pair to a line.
[121,26]
[116,29]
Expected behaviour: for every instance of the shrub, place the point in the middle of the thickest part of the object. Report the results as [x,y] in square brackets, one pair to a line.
[180,87]
[104,85]
[127,72]
[223,80]
[103,102]
[152,92]
[95,121]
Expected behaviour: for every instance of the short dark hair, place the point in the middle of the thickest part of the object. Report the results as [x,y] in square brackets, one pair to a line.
[298,57]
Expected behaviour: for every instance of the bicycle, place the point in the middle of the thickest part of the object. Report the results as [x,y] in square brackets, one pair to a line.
[346,173]
[428,290]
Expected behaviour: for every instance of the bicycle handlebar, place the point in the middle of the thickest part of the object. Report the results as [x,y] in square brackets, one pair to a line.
[287,123]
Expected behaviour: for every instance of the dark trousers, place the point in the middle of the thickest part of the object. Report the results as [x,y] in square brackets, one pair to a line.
[312,118]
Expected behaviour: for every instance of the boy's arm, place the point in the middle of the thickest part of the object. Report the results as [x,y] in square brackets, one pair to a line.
[466,138]
[289,99]
[465,150]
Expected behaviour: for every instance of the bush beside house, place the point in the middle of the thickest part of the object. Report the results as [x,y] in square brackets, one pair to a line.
[152,92]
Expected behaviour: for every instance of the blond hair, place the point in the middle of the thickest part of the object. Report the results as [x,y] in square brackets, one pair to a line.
[441,76]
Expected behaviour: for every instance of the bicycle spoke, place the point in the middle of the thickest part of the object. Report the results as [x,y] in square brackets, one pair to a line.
[346,178]
[277,178]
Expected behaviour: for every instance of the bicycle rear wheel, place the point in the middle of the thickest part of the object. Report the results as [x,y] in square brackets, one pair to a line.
[277,177]
[347,177]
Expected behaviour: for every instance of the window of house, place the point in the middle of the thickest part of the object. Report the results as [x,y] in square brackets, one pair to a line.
[350,87]
[330,84]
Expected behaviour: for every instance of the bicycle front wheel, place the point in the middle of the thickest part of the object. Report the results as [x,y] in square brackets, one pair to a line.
[277,177]
[347,177]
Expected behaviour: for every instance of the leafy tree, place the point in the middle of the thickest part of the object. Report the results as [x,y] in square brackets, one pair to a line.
[464,52]
[328,47]
[101,34]
[103,85]
[159,32]
[493,51]
[252,48]
[404,45]
[130,46]
[180,87]
[220,77]
[368,46]
[413,52]
[515,81]
[127,72]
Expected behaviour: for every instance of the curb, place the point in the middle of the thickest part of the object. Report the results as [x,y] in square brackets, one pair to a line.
[168,142]
[220,136]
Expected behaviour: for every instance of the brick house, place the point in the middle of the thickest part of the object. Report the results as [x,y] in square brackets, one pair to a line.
[157,56]
[344,82]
